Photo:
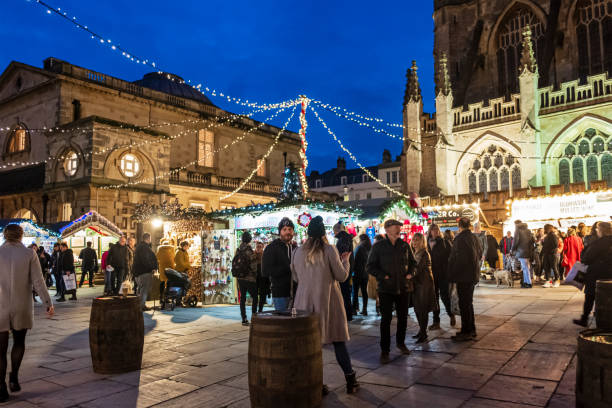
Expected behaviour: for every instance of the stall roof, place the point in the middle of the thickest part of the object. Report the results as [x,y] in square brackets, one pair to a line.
[5,222]
[259,209]
[90,219]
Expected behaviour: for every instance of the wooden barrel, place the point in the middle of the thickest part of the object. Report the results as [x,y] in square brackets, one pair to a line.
[116,334]
[285,361]
[594,369]
[603,304]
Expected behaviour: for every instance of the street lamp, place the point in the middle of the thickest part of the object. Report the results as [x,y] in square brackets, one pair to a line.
[157,222]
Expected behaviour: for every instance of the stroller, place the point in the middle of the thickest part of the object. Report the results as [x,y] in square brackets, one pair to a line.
[176,288]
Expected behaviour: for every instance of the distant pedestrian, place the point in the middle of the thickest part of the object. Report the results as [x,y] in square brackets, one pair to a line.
[89,264]
[522,248]
[263,283]
[59,282]
[66,265]
[572,248]
[449,236]
[118,261]
[598,258]
[392,262]
[145,263]
[181,258]
[318,270]
[592,236]
[424,296]
[439,251]
[550,257]
[344,243]
[165,260]
[45,265]
[20,273]
[107,273]
[505,246]
[361,276]
[276,265]
[131,247]
[244,269]
[464,270]
[492,256]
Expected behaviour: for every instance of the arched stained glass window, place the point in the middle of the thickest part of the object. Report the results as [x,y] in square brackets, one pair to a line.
[606,168]
[472,183]
[486,163]
[493,183]
[598,145]
[593,20]
[564,172]
[482,182]
[499,161]
[516,178]
[584,148]
[570,150]
[504,177]
[577,170]
[592,169]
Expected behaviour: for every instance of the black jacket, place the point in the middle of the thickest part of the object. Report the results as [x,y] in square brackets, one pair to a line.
[66,261]
[145,260]
[345,244]
[361,260]
[276,264]
[523,242]
[118,257]
[550,244]
[598,257]
[492,247]
[439,258]
[505,245]
[390,264]
[89,258]
[464,260]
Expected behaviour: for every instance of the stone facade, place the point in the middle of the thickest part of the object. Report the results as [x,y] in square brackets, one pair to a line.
[108,132]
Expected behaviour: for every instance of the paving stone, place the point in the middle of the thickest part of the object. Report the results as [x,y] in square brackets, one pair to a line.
[537,364]
[488,403]
[78,395]
[37,388]
[519,390]
[214,396]
[131,398]
[164,389]
[76,377]
[459,376]
[444,346]
[428,396]
[551,348]
[423,359]
[70,365]
[211,374]
[555,338]
[567,386]
[562,401]
[368,396]
[400,376]
[484,358]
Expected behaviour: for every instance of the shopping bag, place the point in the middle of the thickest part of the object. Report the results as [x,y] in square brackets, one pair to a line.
[454,298]
[70,281]
[576,275]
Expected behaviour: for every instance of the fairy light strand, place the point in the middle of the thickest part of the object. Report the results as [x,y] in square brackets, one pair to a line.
[303,126]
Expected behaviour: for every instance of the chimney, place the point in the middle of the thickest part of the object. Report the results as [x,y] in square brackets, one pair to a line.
[341,164]
[386,156]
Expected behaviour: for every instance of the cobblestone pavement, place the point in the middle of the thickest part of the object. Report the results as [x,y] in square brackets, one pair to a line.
[524,356]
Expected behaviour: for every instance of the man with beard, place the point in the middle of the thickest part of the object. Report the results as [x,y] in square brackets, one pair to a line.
[276,264]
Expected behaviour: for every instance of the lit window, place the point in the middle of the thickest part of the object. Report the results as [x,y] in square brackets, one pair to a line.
[394,177]
[71,163]
[130,165]
[261,168]
[317,183]
[18,142]
[343,180]
[206,147]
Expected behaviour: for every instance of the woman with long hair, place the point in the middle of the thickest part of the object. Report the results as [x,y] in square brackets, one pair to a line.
[19,273]
[572,247]
[318,270]
[424,296]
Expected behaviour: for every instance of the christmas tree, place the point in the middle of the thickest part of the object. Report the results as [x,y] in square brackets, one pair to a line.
[292,187]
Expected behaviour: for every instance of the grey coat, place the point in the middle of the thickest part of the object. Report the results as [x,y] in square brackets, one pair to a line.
[318,291]
[19,272]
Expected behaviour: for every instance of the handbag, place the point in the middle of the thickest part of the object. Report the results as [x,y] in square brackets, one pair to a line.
[70,281]
[454,298]
[576,275]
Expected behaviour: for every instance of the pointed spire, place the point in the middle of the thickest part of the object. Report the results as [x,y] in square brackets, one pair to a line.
[444,83]
[413,90]
[528,60]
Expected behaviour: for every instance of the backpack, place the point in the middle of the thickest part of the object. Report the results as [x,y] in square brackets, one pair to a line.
[241,264]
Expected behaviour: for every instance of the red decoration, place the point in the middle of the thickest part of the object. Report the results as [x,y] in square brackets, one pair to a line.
[304,219]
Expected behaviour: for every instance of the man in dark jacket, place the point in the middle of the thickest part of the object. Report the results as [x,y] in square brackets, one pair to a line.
[247,278]
[360,276]
[439,249]
[66,265]
[118,260]
[550,256]
[344,244]
[57,275]
[89,264]
[145,262]
[392,262]
[276,264]
[464,270]
[522,247]
[505,246]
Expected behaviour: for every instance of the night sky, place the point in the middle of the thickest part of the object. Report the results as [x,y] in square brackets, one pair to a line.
[352,54]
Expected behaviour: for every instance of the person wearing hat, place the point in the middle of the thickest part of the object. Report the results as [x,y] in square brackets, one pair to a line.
[393,264]
[345,244]
[244,269]
[276,265]
[318,270]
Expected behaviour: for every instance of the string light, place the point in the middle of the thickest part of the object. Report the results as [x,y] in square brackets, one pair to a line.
[192,163]
[303,126]
[354,159]
[349,113]
[263,160]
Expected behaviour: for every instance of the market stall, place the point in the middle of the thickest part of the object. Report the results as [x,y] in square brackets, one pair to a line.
[32,233]
[90,227]
[447,216]
[406,212]
[561,211]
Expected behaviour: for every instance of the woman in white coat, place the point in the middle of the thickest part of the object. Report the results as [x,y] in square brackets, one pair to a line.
[318,270]
[19,273]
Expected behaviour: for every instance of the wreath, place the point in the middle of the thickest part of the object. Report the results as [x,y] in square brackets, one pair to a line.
[304,219]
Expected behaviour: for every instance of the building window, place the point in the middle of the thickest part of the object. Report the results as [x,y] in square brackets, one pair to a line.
[71,163]
[493,180]
[472,183]
[592,169]
[365,178]
[357,196]
[509,42]
[593,21]
[343,180]
[490,171]
[482,181]
[194,204]
[206,147]
[577,170]
[76,109]
[504,179]
[261,168]
[593,148]
[388,177]
[318,184]
[369,196]
[129,165]
[564,172]
[394,177]
[516,178]
[18,141]
[606,168]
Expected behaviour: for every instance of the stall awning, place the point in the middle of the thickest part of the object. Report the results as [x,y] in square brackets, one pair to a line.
[91,220]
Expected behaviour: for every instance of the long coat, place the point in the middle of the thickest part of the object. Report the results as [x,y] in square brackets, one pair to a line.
[19,272]
[318,291]
[181,259]
[424,295]
[165,259]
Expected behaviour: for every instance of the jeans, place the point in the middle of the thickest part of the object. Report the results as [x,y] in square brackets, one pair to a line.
[117,278]
[441,288]
[60,287]
[342,357]
[386,309]
[465,292]
[144,285]
[526,267]
[346,289]
[86,272]
[281,304]
[363,285]
[251,287]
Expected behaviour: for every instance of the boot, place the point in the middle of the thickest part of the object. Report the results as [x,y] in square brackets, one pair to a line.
[583,321]
[14,382]
[4,395]
[351,382]
[364,312]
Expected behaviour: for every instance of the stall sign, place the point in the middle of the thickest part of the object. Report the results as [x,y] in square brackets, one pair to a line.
[572,206]
[450,218]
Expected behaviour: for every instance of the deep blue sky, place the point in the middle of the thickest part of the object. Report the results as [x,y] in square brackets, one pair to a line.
[353,54]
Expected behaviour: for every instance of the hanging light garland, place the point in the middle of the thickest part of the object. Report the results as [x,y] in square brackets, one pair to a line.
[337,110]
[303,126]
[192,163]
[263,160]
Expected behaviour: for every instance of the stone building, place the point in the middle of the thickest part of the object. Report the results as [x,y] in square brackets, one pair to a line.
[523,100]
[72,138]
